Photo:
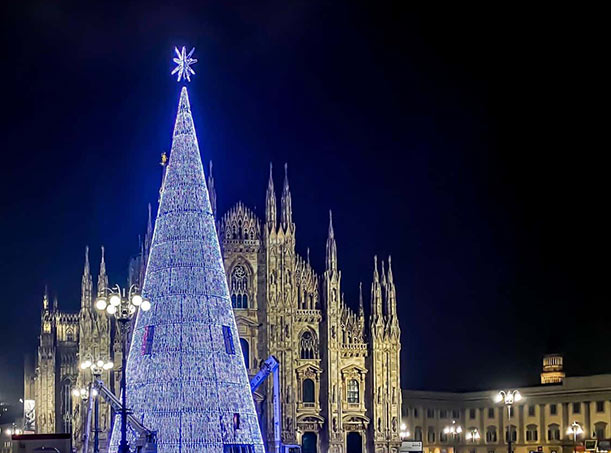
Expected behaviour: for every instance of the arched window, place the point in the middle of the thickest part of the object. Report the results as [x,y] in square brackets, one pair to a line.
[553,432]
[431,435]
[245,351]
[353,391]
[308,346]
[599,430]
[511,430]
[66,397]
[531,433]
[491,434]
[239,287]
[418,434]
[307,388]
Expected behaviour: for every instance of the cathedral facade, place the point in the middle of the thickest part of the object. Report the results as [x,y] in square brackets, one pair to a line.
[339,370]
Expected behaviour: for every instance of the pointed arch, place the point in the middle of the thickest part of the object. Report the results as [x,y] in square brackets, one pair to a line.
[308,344]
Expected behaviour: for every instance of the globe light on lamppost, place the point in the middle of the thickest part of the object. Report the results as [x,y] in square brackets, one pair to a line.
[123,305]
[508,398]
[472,435]
[454,430]
[404,433]
[574,430]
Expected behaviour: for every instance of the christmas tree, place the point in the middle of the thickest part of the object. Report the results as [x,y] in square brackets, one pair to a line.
[186,377]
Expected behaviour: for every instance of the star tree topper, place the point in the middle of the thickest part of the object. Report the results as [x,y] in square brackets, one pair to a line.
[184,62]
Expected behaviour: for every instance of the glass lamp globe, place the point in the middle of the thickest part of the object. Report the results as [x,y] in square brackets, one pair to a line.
[101,304]
[136,299]
[146,305]
[115,300]
[111,309]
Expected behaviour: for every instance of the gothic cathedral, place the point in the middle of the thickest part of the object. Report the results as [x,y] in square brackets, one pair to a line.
[339,373]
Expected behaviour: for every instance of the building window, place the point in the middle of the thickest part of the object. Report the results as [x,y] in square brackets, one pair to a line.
[418,434]
[443,437]
[491,434]
[239,287]
[553,409]
[430,435]
[245,352]
[600,406]
[308,346]
[455,413]
[415,412]
[576,408]
[228,338]
[443,413]
[511,430]
[430,413]
[553,432]
[471,414]
[307,388]
[599,430]
[236,421]
[353,391]
[531,410]
[531,433]
[490,412]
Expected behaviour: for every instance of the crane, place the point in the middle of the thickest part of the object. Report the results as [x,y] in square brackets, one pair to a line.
[272,366]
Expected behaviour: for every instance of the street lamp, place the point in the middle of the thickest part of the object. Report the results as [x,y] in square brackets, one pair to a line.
[455,431]
[123,305]
[574,430]
[404,432]
[13,431]
[508,397]
[97,367]
[472,435]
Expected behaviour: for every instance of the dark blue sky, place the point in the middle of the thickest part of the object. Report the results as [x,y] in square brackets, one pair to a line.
[458,140]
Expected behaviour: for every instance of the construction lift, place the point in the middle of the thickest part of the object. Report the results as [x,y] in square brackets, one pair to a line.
[272,366]
[146,439]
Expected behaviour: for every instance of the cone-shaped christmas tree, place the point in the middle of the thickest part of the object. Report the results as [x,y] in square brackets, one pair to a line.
[186,378]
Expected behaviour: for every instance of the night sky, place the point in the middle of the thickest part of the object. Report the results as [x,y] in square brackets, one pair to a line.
[457,140]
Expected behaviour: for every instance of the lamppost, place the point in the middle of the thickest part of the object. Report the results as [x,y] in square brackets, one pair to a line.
[404,432]
[97,367]
[123,305]
[574,430]
[455,431]
[472,435]
[83,394]
[508,397]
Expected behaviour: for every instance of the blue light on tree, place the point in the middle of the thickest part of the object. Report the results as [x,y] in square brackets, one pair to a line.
[185,377]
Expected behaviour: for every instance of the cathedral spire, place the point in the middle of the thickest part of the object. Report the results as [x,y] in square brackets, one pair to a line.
[102,277]
[286,204]
[45,299]
[376,295]
[361,307]
[391,301]
[86,283]
[55,303]
[331,255]
[270,201]
[212,191]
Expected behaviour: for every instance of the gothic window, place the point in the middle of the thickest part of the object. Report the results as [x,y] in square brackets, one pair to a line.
[353,391]
[307,388]
[245,351]
[491,434]
[66,391]
[553,432]
[531,433]
[239,287]
[308,346]
[69,335]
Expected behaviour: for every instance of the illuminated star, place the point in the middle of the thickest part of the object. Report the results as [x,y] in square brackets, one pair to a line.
[184,62]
